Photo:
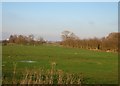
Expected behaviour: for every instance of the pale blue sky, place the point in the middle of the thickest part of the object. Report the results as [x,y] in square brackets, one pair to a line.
[49,19]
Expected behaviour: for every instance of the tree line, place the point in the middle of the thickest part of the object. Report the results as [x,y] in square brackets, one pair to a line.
[25,40]
[69,39]
[109,43]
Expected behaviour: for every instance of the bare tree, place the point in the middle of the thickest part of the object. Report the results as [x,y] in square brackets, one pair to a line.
[40,40]
[12,38]
[68,35]
[69,38]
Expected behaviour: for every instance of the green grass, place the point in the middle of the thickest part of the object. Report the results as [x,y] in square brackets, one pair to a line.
[96,67]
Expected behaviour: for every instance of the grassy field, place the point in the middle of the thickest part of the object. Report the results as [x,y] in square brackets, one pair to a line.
[96,67]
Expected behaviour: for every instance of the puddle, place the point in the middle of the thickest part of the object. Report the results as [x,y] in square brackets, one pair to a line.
[28,61]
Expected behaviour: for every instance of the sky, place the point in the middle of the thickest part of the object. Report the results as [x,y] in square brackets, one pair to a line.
[49,19]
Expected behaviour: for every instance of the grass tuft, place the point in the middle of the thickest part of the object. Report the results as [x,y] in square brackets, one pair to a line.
[42,76]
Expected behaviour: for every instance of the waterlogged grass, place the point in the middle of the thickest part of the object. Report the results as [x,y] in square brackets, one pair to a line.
[96,66]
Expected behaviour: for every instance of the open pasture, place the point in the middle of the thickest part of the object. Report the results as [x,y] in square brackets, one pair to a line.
[96,66]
